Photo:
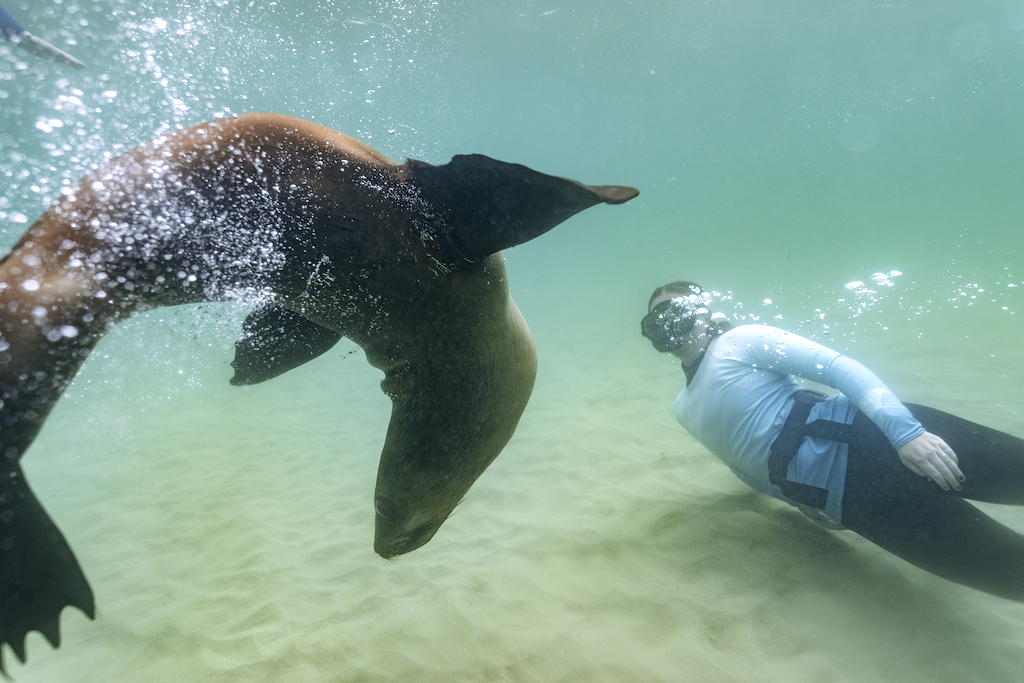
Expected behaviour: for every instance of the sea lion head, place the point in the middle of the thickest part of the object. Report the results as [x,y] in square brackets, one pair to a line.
[457,395]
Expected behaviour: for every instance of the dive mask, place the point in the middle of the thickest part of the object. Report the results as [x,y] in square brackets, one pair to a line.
[669,322]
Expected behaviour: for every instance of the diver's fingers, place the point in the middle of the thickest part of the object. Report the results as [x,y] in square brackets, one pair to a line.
[41,48]
[915,469]
[945,461]
[952,463]
[940,473]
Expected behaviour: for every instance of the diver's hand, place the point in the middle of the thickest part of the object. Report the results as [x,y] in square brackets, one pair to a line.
[931,457]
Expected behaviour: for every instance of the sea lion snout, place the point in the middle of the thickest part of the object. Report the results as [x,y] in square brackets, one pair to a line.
[396,534]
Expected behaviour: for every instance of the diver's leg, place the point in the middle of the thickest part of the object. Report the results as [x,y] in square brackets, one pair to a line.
[992,461]
[933,529]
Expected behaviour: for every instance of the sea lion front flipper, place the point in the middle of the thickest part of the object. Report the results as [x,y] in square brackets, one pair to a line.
[485,205]
[275,340]
[39,575]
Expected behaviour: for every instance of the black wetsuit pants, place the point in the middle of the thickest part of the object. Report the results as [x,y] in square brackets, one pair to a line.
[936,530]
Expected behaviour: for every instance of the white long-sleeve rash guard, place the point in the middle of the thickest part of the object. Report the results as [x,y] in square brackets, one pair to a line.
[743,391]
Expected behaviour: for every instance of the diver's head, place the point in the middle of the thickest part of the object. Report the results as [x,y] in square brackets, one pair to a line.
[673,312]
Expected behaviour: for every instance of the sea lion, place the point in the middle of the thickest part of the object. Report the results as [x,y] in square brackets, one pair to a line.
[335,240]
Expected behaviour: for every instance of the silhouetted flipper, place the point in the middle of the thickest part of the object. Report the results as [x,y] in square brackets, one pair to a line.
[489,205]
[39,575]
[275,340]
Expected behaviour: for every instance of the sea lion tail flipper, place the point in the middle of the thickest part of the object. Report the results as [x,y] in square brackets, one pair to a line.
[39,575]
[487,205]
[275,340]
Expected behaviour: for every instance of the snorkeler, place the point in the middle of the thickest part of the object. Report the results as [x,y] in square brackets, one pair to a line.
[13,32]
[897,474]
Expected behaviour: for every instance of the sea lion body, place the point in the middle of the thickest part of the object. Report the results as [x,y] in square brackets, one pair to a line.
[332,239]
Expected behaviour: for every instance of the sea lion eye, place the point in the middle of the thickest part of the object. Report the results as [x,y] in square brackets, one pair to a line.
[381,509]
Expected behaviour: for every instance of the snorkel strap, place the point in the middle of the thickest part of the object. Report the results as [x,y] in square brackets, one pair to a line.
[716,328]
[691,370]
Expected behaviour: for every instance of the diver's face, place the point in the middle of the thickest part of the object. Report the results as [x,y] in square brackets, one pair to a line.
[687,346]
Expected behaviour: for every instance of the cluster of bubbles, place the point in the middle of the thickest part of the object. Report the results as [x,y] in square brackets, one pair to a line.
[160,65]
[155,67]
[879,300]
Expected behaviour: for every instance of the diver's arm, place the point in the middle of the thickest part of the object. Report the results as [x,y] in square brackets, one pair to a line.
[920,451]
[791,354]
[11,30]
[9,26]
[924,453]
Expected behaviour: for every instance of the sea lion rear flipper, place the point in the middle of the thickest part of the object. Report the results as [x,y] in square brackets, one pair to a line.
[487,205]
[275,340]
[39,575]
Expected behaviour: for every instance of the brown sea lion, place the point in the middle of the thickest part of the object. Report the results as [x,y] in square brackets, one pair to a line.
[335,240]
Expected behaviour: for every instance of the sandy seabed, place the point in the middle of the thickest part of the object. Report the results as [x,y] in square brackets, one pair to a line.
[228,535]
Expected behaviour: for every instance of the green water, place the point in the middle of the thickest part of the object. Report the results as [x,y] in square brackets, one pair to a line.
[783,150]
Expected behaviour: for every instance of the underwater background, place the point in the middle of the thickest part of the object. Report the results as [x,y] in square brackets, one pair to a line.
[851,171]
